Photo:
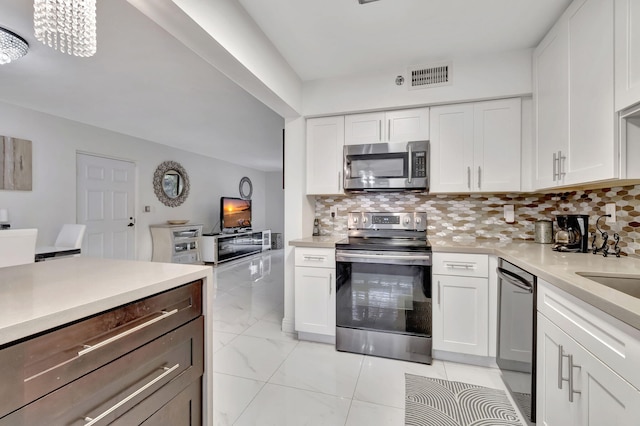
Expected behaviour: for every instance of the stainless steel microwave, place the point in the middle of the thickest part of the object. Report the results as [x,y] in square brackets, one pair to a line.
[387,167]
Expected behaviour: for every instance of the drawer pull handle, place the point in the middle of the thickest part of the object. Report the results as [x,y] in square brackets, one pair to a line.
[93,420]
[88,348]
[460,265]
[315,258]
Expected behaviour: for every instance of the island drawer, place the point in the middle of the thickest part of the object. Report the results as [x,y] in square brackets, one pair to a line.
[132,387]
[39,365]
[461,264]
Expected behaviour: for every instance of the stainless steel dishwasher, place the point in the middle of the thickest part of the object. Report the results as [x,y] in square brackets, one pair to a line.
[516,351]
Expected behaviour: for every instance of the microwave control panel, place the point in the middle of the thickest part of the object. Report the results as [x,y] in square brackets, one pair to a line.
[420,164]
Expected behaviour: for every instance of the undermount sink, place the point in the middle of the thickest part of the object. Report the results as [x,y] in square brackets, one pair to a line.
[628,284]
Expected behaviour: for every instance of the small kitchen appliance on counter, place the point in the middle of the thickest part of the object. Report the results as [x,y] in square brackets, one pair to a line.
[544,231]
[383,286]
[572,234]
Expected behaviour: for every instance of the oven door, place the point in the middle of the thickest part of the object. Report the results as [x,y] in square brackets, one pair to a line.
[386,166]
[384,291]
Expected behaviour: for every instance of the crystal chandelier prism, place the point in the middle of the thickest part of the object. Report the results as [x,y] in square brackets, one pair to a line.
[12,46]
[66,25]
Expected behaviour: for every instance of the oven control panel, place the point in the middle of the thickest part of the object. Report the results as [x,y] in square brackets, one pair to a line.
[409,221]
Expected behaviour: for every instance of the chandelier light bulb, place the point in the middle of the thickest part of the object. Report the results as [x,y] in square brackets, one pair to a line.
[68,26]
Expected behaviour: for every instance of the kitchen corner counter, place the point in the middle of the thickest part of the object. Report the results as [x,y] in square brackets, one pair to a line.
[560,269]
[323,241]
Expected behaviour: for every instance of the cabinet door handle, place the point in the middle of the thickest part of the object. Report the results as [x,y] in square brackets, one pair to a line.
[560,356]
[380,130]
[469,177]
[88,348]
[555,166]
[479,177]
[93,420]
[561,173]
[438,292]
[571,389]
[330,280]
[460,265]
[389,131]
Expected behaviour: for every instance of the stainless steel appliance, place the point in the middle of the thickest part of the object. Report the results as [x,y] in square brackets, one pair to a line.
[383,287]
[387,166]
[516,351]
[573,233]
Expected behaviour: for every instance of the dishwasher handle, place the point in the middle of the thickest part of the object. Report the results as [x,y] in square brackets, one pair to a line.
[515,279]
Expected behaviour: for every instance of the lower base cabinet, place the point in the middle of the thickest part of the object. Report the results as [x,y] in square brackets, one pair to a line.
[576,388]
[141,363]
[587,363]
[315,291]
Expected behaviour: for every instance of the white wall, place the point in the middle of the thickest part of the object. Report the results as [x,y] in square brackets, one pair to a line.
[274,202]
[474,78]
[52,201]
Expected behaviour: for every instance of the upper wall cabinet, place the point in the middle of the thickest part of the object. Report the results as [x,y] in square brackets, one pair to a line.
[627,46]
[573,98]
[391,126]
[325,140]
[475,147]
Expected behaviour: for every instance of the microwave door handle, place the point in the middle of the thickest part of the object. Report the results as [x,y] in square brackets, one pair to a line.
[410,164]
[515,280]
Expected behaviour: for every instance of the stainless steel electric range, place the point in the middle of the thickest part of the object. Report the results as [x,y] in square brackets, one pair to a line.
[383,281]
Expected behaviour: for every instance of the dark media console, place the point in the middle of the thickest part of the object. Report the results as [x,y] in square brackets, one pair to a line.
[224,247]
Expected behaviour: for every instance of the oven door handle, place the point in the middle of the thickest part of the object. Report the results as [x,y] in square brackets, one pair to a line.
[383,256]
[515,279]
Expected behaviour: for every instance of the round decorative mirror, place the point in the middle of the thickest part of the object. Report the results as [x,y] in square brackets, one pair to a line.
[171,183]
[246,188]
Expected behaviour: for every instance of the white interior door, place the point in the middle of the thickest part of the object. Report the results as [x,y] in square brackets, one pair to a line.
[105,194]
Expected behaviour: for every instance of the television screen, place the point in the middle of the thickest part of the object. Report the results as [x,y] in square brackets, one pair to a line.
[235,213]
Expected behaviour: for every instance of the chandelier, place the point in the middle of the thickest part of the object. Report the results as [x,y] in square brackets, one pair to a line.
[68,26]
[12,46]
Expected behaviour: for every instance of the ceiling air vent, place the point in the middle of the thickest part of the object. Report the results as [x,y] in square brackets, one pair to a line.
[434,75]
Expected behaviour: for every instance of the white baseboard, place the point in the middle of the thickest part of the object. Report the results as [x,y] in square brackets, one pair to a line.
[484,361]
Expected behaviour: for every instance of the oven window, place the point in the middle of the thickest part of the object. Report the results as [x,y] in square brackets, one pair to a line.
[383,297]
[383,167]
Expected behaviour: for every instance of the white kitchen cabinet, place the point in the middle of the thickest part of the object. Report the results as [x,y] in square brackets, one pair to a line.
[390,126]
[600,352]
[325,141]
[315,291]
[573,96]
[567,370]
[460,297]
[475,147]
[627,46]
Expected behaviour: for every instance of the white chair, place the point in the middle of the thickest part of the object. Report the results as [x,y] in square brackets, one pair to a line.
[17,246]
[70,236]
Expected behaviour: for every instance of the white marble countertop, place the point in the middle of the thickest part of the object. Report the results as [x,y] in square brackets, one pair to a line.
[39,296]
[556,268]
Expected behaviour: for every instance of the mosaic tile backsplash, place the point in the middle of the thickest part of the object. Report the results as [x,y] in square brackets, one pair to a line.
[481,216]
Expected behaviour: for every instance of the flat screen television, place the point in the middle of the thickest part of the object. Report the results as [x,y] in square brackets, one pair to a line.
[235,214]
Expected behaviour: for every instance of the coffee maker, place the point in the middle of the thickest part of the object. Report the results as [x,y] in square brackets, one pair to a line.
[572,234]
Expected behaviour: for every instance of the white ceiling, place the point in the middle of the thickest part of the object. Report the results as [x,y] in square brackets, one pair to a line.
[329,38]
[144,83]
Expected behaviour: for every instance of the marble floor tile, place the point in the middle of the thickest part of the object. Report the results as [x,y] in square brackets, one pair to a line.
[319,367]
[382,381]
[367,414]
[232,320]
[481,376]
[221,339]
[231,395]
[252,357]
[269,330]
[283,406]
